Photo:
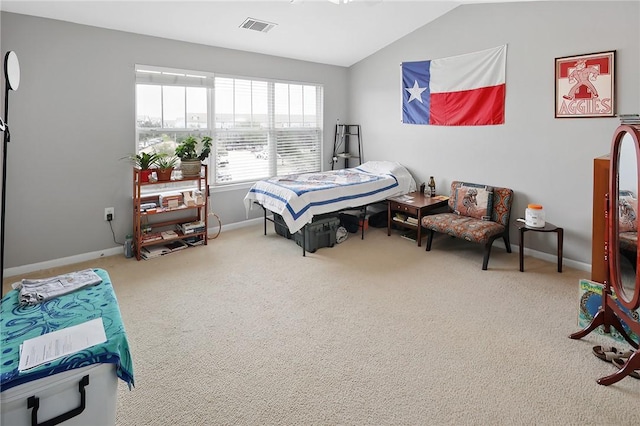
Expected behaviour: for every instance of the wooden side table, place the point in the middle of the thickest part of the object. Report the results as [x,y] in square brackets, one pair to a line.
[548,227]
[414,204]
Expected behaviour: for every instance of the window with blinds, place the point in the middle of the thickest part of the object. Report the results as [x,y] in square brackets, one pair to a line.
[265,128]
[260,128]
[171,104]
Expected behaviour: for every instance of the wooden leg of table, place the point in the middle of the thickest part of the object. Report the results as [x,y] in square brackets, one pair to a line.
[388,218]
[522,249]
[419,237]
[560,240]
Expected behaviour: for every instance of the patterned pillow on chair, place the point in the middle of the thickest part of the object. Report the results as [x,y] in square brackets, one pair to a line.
[473,201]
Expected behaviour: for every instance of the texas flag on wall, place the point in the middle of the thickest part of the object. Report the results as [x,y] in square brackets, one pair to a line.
[464,90]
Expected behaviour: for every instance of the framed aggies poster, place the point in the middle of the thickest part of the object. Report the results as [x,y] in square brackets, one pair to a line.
[585,85]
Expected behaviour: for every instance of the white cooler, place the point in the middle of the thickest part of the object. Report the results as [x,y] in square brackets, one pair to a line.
[59,396]
[80,388]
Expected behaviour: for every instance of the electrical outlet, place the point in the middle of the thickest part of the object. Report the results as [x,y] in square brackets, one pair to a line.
[108,214]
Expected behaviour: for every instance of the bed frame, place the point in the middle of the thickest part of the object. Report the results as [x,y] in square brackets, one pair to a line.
[362,216]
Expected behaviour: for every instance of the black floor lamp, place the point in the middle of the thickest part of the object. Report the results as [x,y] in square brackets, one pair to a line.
[12,81]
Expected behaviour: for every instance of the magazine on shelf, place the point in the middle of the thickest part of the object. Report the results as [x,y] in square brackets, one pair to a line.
[151,252]
[176,245]
[412,235]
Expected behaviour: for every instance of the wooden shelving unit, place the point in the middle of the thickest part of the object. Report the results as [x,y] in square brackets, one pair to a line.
[156,227]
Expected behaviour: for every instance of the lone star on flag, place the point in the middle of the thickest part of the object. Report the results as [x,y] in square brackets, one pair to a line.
[416,91]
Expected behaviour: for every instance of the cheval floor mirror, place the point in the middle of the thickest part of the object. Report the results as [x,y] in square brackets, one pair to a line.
[621,293]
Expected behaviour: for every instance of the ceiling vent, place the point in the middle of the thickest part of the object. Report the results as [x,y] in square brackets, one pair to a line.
[256,25]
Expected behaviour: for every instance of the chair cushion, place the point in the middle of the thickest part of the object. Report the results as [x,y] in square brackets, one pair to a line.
[473,201]
[471,229]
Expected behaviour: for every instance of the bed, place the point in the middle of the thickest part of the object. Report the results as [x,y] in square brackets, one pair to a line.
[299,197]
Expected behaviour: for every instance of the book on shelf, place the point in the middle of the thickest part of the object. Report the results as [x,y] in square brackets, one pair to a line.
[192,227]
[151,252]
[629,118]
[194,241]
[151,236]
[412,235]
[176,245]
[167,235]
[412,220]
[400,217]
[406,219]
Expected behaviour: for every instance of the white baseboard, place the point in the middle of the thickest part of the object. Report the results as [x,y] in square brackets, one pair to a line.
[553,258]
[25,269]
[54,263]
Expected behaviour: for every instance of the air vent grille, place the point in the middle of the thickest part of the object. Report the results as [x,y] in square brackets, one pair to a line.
[257,25]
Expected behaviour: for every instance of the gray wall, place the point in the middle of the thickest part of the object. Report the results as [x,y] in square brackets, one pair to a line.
[73,119]
[544,160]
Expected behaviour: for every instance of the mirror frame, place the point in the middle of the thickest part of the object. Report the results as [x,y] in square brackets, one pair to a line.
[623,298]
[12,70]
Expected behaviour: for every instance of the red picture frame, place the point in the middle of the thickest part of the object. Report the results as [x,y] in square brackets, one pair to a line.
[585,85]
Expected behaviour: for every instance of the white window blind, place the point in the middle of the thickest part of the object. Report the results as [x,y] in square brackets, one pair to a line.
[171,104]
[261,128]
[265,128]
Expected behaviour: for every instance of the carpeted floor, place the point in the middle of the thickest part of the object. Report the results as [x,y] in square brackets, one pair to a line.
[246,331]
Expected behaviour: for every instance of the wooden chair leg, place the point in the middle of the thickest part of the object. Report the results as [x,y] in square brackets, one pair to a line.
[507,244]
[429,239]
[487,252]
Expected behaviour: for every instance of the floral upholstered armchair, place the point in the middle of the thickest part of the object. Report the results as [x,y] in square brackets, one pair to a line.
[477,213]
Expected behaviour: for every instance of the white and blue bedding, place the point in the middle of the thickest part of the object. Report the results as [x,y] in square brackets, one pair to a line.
[298,197]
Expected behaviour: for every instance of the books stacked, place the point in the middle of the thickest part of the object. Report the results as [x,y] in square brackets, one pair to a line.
[176,245]
[151,252]
[633,119]
[192,227]
[412,236]
[412,220]
[406,219]
[168,235]
[194,241]
[151,237]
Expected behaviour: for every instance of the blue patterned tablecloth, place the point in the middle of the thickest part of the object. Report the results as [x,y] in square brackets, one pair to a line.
[19,323]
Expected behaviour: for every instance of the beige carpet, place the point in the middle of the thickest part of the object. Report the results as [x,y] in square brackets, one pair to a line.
[246,331]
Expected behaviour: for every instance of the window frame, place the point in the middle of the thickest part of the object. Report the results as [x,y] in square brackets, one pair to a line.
[166,76]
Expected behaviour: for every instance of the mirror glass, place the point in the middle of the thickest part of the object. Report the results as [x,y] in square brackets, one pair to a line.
[12,70]
[627,223]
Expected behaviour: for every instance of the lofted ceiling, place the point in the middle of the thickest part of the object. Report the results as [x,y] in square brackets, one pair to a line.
[310,30]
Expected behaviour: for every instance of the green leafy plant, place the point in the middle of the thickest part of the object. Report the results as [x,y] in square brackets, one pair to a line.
[166,161]
[188,148]
[143,160]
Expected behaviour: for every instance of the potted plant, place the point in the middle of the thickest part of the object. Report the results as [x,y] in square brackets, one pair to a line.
[143,161]
[191,153]
[164,166]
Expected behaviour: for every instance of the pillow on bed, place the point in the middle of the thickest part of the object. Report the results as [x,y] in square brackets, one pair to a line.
[405,180]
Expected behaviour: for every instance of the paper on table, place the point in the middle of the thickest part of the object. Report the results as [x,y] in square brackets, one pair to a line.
[59,343]
[405,198]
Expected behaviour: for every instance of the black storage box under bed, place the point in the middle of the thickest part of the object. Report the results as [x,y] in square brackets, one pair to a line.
[320,233]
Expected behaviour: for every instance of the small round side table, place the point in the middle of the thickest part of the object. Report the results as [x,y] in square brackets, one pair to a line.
[548,227]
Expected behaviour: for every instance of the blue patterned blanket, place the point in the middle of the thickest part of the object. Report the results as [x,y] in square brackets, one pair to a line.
[19,323]
[298,197]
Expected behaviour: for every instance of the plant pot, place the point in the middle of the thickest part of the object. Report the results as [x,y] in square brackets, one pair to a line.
[144,175]
[190,168]
[164,175]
